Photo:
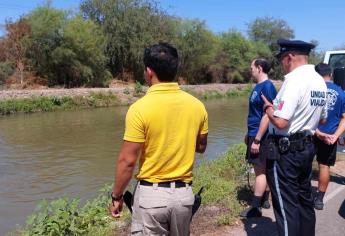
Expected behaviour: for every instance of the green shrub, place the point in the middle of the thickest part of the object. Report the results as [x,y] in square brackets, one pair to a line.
[126,91]
[237,78]
[222,178]
[239,92]
[53,103]
[64,217]
[6,69]
[211,95]
[138,88]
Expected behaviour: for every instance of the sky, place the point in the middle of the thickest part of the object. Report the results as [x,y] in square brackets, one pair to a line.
[319,20]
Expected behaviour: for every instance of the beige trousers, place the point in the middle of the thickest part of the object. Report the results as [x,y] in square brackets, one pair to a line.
[162,211]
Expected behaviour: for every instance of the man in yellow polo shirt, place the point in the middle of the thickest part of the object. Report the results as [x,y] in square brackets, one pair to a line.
[164,129]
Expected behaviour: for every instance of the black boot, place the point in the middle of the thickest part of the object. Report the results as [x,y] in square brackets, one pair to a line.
[253,210]
[318,201]
[265,202]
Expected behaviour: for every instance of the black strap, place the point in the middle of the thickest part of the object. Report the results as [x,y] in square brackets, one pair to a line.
[178,184]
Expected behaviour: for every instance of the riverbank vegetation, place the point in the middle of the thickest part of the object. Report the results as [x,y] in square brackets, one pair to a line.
[105,39]
[228,94]
[223,180]
[107,98]
[53,103]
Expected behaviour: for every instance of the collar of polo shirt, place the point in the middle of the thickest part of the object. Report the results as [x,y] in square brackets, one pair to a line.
[164,87]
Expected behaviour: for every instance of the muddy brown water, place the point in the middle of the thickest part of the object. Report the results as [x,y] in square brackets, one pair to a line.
[72,153]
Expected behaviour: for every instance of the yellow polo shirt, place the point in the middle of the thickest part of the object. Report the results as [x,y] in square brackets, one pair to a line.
[167,120]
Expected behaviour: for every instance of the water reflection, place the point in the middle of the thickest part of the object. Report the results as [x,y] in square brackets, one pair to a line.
[48,155]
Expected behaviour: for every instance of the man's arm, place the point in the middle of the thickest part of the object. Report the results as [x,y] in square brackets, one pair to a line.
[201,143]
[125,165]
[340,129]
[262,130]
[326,138]
[263,127]
[124,171]
[280,123]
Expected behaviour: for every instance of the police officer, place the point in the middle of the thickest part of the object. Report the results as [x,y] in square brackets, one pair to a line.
[293,119]
[327,134]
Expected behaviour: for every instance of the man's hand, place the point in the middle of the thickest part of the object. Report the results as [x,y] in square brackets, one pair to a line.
[326,138]
[255,148]
[116,208]
[266,102]
[280,123]
[322,136]
[332,138]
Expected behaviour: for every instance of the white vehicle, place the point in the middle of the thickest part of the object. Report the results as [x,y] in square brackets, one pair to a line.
[336,59]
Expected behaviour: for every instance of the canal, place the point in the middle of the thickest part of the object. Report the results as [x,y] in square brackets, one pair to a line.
[72,153]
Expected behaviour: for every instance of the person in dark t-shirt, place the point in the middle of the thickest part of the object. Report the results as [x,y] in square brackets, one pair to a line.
[257,128]
[327,134]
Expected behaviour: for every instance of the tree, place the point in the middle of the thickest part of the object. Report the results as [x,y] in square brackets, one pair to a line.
[66,49]
[16,45]
[129,26]
[79,59]
[197,49]
[240,52]
[46,35]
[315,57]
[269,30]
[6,66]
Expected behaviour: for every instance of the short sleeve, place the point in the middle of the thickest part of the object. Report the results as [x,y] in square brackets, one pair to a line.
[270,92]
[204,124]
[135,128]
[324,112]
[286,101]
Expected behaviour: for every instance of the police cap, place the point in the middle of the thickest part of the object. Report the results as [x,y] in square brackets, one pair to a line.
[293,46]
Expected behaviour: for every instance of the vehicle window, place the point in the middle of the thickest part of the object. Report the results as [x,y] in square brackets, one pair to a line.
[337,61]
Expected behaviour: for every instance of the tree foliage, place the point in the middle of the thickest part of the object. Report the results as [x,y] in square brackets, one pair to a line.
[315,57]
[107,38]
[129,26]
[269,30]
[197,49]
[14,47]
[67,50]
[240,52]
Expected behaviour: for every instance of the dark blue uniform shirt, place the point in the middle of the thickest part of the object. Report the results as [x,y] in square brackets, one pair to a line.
[256,105]
[335,108]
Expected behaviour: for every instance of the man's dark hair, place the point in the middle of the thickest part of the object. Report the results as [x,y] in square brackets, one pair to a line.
[323,69]
[162,58]
[263,63]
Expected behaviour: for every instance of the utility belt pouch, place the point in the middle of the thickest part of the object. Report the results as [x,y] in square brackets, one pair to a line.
[297,145]
[284,144]
[270,149]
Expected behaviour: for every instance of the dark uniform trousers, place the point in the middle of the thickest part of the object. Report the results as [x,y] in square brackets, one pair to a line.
[289,179]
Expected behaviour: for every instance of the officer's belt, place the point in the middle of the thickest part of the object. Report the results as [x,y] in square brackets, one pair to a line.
[178,184]
[294,142]
[292,138]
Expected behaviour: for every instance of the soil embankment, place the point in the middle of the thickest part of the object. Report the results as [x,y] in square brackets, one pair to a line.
[124,93]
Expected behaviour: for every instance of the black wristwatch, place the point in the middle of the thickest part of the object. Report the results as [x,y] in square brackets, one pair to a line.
[256,141]
[116,198]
